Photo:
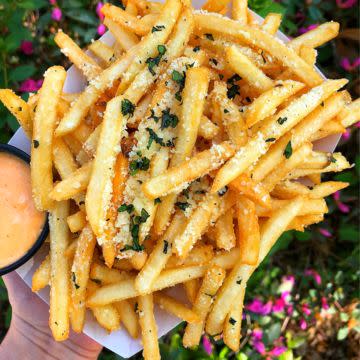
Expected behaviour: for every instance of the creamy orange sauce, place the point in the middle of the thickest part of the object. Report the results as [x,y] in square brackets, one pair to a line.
[20,222]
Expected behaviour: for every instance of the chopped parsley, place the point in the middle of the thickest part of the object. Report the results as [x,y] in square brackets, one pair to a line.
[233,89]
[182,205]
[152,62]
[232,321]
[168,119]
[238,281]
[288,150]
[332,159]
[226,111]
[136,307]
[281,120]
[270,140]
[209,37]
[223,191]
[153,116]
[143,216]
[196,48]
[36,144]
[157,201]
[73,278]
[214,61]
[127,108]
[221,76]
[233,79]
[322,104]
[180,80]
[166,247]
[124,207]
[248,99]
[139,164]
[96,281]
[157,28]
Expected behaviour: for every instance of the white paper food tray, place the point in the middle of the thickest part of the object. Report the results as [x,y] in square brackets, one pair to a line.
[119,341]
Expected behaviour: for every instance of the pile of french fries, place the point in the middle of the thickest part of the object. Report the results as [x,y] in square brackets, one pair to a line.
[179,163]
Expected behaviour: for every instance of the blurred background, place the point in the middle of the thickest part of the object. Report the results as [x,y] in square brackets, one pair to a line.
[302,303]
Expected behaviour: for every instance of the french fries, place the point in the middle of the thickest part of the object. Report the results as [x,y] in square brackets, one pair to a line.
[180,160]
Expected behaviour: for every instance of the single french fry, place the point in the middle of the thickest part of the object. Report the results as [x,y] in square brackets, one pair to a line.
[209,23]
[42,140]
[316,37]
[98,195]
[301,222]
[224,231]
[226,259]
[267,102]
[240,11]
[243,66]
[199,255]
[128,317]
[189,170]
[248,231]
[41,276]
[138,260]
[148,327]
[327,188]
[79,58]
[79,277]
[125,19]
[207,129]
[258,145]
[330,128]
[107,316]
[351,114]
[125,38]
[118,186]
[272,23]
[60,272]
[19,108]
[73,184]
[215,5]
[212,281]
[232,326]
[126,288]
[312,207]
[104,276]
[176,308]
[254,191]
[289,189]
[230,116]
[159,256]
[196,225]
[309,54]
[103,52]
[191,288]
[240,274]
[77,221]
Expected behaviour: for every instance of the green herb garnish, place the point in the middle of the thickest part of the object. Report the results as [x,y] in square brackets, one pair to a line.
[127,108]
[288,150]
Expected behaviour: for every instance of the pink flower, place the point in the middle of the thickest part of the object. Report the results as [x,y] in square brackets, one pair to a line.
[258,307]
[26,47]
[324,303]
[357,125]
[206,343]
[305,309]
[98,10]
[341,206]
[314,274]
[257,334]
[304,30]
[259,347]
[101,29]
[303,324]
[346,135]
[30,85]
[279,305]
[325,232]
[277,350]
[348,66]
[345,4]
[56,14]
[290,310]
[52,2]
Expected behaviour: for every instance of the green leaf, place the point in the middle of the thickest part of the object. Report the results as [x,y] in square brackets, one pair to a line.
[296,342]
[287,355]
[347,176]
[303,236]
[349,233]
[32,4]
[263,320]
[274,332]
[22,72]
[83,16]
[342,333]
[242,356]
[344,317]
